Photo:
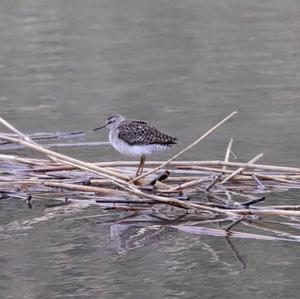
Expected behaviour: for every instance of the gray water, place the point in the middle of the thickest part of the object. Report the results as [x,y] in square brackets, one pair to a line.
[183,65]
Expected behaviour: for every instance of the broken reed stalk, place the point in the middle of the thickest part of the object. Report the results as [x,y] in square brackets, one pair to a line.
[189,184]
[19,133]
[241,169]
[187,148]
[228,151]
[83,188]
[15,130]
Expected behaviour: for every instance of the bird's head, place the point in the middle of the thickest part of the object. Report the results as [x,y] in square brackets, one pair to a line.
[111,122]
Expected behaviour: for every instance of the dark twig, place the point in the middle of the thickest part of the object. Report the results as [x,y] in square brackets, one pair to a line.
[247,204]
[161,177]
[232,224]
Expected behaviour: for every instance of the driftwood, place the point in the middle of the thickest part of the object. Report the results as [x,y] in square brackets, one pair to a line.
[206,189]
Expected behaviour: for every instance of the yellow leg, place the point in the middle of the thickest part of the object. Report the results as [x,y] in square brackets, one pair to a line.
[141,166]
[143,159]
[138,170]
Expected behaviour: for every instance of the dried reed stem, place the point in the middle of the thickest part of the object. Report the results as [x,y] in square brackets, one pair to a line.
[189,184]
[82,188]
[19,133]
[15,130]
[228,151]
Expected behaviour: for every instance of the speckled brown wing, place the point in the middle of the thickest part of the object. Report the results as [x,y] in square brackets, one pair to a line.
[137,132]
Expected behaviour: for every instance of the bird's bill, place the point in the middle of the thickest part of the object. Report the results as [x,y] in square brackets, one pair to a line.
[100,128]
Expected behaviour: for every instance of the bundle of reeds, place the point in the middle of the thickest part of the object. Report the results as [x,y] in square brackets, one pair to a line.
[206,188]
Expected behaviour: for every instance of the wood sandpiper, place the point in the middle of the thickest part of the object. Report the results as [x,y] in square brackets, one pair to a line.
[136,138]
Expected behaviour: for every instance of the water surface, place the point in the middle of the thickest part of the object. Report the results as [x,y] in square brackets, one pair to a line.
[183,65]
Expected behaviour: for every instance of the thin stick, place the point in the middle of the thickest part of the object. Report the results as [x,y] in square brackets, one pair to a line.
[12,128]
[189,184]
[26,182]
[240,170]
[19,133]
[248,165]
[126,201]
[203,168]
[84,188]
[266,212]
[273,178]
[187,148]
[35,162]
[226,159]
[284,207]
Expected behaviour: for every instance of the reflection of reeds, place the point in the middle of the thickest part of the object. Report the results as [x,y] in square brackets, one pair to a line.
[112,184]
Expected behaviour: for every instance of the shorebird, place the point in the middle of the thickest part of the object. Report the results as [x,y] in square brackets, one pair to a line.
[136,138]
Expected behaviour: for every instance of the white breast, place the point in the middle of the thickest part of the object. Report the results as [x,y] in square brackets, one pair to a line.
[134,150]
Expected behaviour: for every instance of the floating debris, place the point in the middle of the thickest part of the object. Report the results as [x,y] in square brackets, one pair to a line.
[182,195]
